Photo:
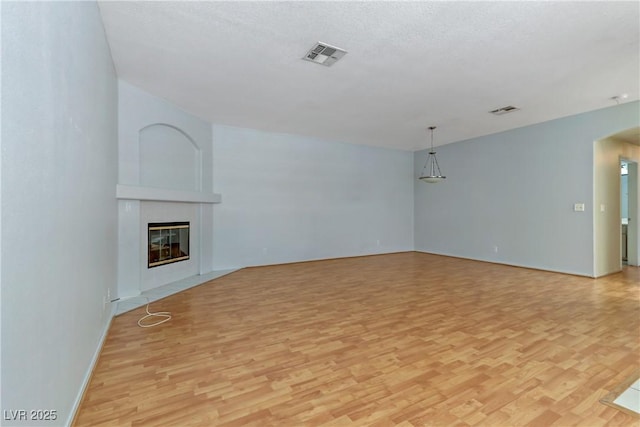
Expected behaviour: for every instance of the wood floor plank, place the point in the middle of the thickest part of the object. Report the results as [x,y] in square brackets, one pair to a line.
[406,339]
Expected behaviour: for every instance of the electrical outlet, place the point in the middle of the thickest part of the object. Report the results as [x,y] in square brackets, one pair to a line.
[495,249]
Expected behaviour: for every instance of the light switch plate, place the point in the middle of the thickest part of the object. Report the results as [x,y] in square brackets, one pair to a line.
[578,207]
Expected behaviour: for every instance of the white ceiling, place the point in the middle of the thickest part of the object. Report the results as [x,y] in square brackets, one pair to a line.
[409,64]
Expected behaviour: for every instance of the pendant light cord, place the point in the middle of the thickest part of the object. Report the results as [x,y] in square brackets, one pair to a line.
[431,128]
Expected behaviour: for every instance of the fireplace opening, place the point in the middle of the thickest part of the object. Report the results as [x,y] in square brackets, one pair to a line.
[168,243]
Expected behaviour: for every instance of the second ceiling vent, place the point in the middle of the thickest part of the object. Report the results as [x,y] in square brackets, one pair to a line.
[324,54]
[504,110]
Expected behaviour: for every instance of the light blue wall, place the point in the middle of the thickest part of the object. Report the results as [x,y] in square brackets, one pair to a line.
[288,198]
[516,190]
[59,171]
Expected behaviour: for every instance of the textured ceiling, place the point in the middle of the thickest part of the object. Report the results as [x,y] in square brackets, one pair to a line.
[409,64]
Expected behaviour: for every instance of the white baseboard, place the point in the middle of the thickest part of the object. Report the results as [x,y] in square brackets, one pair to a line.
[490,261]
[94,360]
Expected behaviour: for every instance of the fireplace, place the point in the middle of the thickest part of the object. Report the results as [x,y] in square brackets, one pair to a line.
[168,243]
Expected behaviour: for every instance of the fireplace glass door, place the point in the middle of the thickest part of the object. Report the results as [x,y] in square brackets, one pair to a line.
[168,242]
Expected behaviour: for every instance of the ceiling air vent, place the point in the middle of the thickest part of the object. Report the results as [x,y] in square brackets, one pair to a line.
[324,54]
[504,110]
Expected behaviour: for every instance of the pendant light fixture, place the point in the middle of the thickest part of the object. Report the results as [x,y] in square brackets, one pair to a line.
[431,166]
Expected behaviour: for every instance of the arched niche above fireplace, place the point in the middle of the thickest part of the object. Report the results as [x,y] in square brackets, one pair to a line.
[169,158]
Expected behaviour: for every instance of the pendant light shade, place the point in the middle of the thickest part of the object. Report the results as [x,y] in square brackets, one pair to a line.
[431,170]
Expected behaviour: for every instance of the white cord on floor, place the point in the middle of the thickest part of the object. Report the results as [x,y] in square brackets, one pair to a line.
[165,314]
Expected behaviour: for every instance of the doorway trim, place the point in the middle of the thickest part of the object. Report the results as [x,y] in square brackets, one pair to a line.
[633,234]
[607,236]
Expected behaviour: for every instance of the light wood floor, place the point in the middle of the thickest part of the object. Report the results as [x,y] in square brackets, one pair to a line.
[405,339]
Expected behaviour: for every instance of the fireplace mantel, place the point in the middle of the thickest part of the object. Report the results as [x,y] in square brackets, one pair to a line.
[131,192]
